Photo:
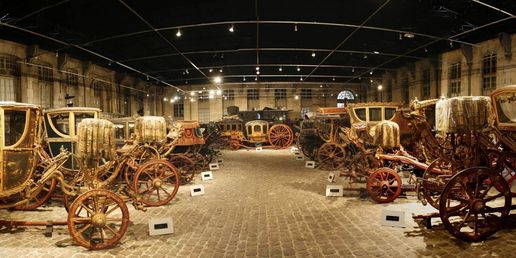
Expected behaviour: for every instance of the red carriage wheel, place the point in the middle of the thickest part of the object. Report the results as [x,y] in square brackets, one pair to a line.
[384,185]
[281,136]
[40,196]
[472,209]
[234,144]
[331,156]
[507,168]
[98,219]
[156,182]
[185,166]
[434,181]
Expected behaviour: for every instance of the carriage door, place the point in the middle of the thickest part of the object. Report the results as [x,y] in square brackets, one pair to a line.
[59,135]
[17,154]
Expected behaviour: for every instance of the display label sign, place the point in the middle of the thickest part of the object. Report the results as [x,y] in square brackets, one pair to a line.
[161,226]
[310,164]
[214,166]
[206,175]
[196,190]
[334,191]
[392,218]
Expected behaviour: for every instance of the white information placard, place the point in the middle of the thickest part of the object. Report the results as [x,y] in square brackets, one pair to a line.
[334,191]
[196,190]
[299,157]
[259,148]
[331,177]
[161,226]
[392,218]
[310,164]
[214,166]
[206,175]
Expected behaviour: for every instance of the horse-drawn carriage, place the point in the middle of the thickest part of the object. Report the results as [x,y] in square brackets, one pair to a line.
[98,216]
[268,126]
[469,163]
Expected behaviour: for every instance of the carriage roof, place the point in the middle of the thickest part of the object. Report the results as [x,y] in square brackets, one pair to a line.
[73,109]
[5,104]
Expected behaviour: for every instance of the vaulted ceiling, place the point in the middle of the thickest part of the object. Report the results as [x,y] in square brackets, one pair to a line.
[289,41]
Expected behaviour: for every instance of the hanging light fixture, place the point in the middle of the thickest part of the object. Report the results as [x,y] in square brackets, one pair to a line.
[178,33]
[280,69]
[232,28]
[298,69]
[295,27]
[313,53]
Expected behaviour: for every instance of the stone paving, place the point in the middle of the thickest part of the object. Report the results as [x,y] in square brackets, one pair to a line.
[264,204]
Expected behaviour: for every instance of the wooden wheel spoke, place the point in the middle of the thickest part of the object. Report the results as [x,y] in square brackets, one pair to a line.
[491,198]
[81,219]
[464,219]
[111,230]
[114,219]
[83,228]
[111,210]
[88,209]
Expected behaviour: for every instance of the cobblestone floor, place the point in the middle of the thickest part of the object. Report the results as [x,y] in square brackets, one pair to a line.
[263,204]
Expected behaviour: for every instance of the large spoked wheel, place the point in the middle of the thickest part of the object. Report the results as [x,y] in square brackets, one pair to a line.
[281,136]
[186,167]
[471,208]
[434,180]
[234,144]
[331,156]
[201,163]
[98,219]
[156,182]
[384,185]
[141,154]
[39,196]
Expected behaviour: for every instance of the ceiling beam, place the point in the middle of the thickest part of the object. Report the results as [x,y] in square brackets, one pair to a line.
[268,65]
[39,11]
[348,37]
[289,22]
[494,8]
[264,49]
[270,76]
[87,51]
[162,37]
[430,43]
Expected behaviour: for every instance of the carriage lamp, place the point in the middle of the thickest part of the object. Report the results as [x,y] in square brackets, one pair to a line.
[69,100]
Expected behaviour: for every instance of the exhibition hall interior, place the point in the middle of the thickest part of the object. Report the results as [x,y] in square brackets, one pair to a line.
[257,128]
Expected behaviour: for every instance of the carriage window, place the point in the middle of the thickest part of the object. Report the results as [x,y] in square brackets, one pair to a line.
[506,108]
[14,126]
[256,129]
[131,129]
[375,114]
[60,122]
[239,127]
[360,112]
[233,127]
[264,130]
[389,113]
[81,116]
[119,131]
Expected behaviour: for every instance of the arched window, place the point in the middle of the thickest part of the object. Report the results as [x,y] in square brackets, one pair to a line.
[44,89]
[9,78]
[345,97]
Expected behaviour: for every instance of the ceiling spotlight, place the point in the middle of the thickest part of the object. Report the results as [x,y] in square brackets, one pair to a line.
[187,72]
[371,72]
[426,50]
[371,80]
[220,70]
[313,54]
[296,97]
[298,69]
[257,68]
[333,78]
[178,33]
[147,77]
[295,27]
[243,79]
[256,78]
[380,87]
[219,92]
[400,38]
[365,56]
[211,70]
[376,52]
[217,79]
[148,94]
[164,99]
[409,35]
[451,43]
[280,69]
[352,69]
[301,78]
[257,72]
[232,28]
[320,86]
